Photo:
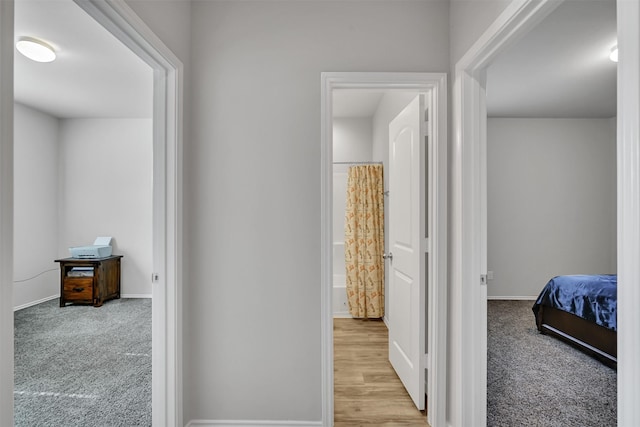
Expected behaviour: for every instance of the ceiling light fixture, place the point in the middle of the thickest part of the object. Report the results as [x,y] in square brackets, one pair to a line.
[614,54]
[35,49]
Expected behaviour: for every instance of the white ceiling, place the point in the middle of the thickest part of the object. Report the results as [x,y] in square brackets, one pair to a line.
[355,103]
[94,75]
[561,68]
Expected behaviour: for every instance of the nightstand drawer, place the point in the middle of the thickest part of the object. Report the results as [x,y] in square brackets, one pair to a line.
[78,289]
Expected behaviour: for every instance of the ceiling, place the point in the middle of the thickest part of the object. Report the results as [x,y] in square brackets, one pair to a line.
[559,69]
[94,74]
[355,103]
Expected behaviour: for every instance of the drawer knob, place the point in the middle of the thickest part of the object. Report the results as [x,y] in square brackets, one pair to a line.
[78,289]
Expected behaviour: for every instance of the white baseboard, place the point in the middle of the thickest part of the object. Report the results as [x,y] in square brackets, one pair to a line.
[518,298]
[342,316]
[349,316]
[135,296]
[257,423]
[40,301]
[32,303]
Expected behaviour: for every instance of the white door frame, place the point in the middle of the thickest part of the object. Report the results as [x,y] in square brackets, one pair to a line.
[120,20]
[467,392]
[628,129]
[6,212]
[468,293]
[436,364]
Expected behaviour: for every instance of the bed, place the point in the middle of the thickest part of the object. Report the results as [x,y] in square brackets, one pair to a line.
[582,310]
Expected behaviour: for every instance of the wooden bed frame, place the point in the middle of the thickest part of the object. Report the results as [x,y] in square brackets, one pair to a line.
[592,338]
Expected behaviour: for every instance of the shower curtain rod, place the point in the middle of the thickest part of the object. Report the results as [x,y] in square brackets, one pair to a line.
[357,163]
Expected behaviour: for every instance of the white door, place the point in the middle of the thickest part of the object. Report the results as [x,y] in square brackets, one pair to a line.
[407,244]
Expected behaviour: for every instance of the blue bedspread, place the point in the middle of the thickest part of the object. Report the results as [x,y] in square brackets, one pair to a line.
[592,297]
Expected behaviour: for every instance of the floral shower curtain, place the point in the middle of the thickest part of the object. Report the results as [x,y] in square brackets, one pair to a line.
[364,241]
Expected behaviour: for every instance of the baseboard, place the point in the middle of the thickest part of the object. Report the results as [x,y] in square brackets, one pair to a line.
[518,298]
[135,296]
[257,423]
[40,301]
[32,303]
[349,316]
[342,316]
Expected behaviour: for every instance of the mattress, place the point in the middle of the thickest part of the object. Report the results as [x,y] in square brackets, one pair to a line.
[591,297]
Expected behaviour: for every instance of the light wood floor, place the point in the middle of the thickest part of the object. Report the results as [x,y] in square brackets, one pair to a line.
[367,391]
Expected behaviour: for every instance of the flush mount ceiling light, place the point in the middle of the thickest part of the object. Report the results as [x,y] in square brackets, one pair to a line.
[35,49]
[614,54]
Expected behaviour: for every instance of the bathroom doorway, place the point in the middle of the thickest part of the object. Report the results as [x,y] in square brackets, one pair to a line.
[370,89]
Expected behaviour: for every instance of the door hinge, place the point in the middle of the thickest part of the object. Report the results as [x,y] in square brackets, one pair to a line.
[483,279]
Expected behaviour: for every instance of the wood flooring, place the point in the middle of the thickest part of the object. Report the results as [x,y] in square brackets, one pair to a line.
[367,391]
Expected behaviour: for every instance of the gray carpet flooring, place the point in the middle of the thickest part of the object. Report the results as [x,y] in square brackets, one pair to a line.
[83,366]
[538,380]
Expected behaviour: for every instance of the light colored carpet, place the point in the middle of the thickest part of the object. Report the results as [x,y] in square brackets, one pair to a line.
[83,366]
[538,380]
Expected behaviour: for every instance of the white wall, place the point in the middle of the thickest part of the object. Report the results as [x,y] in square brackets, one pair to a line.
[105,188]
[75,179]
[352,142]
[469,19]
[551,201]
[352,139]
[253,172]
[35,206]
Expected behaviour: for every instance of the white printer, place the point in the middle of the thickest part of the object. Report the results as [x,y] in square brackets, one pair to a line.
[101,248]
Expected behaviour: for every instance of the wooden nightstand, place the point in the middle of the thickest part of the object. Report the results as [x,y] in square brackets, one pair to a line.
[89,280]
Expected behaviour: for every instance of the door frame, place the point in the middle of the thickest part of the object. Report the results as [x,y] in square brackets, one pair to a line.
[628,131]
[436,363]
[121,21]
[6,212]
[468,302]
[468,369]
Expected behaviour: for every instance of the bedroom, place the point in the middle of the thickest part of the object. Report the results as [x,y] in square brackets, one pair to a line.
[83,139]
[82,156]
[551,181]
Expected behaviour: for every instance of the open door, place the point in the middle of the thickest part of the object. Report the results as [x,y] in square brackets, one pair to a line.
[407,248]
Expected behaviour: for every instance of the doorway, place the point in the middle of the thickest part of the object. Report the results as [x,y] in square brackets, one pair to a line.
[468,327]
[80,117]
[435,85]
[364,378]
[121,21]
[559,153]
